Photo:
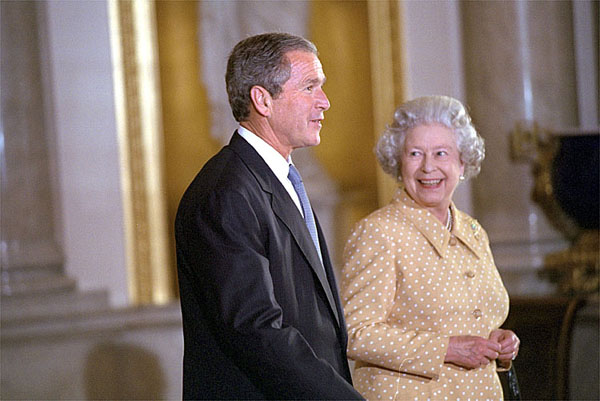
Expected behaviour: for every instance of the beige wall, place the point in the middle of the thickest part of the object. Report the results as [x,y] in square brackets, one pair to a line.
[187,140]
[341,32]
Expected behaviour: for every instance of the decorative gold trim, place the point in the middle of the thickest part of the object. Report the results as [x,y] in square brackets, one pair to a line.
[576,270]
[137,93]
[387,74]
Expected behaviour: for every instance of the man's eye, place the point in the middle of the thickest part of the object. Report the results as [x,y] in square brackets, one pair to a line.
[442,153]
[309,88]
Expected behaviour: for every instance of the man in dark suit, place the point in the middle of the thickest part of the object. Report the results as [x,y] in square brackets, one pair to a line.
[261,311]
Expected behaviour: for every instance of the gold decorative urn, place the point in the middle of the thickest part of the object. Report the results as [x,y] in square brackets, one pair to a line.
[566,171]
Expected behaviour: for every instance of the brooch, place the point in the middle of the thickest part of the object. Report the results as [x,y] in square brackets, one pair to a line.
[476,228]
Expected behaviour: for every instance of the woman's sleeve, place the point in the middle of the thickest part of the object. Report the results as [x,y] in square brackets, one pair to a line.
[492,264]
[376,335]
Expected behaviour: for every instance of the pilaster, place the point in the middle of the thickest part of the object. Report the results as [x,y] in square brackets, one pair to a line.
[517,70]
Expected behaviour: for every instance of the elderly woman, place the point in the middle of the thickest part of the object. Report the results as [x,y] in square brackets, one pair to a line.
[423,299]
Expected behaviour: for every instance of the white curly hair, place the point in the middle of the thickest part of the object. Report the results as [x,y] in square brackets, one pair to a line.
[442,110]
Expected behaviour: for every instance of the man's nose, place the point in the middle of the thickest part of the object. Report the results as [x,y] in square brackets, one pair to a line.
[322,100]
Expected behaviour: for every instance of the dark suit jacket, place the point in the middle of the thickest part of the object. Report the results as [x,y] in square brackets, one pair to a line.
[260,319]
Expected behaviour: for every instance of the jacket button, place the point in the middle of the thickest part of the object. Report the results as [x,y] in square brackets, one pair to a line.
[477,313]
[452,241]
[469,274]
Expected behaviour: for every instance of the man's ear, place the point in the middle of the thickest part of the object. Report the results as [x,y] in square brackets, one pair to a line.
[261,100]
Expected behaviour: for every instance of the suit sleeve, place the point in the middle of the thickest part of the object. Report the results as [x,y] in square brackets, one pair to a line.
[369,285]
[226,256]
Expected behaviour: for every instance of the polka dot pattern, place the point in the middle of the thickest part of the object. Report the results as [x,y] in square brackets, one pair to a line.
[408,285]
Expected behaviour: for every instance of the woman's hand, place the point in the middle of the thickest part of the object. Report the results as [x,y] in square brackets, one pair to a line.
[471,351]
[509,346]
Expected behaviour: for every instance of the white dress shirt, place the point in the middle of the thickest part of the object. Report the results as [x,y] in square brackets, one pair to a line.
[276,162]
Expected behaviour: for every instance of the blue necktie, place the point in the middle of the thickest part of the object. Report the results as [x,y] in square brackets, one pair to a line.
[309,218]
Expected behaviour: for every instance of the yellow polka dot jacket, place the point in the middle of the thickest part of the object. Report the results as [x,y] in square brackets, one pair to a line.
[408,285]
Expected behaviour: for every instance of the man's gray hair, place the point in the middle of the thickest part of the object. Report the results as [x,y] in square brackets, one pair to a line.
[260,60]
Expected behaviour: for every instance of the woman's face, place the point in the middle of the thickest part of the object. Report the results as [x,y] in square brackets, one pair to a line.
[431,167]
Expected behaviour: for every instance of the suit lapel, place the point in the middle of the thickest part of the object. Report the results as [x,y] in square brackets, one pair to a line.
[287,212]
[334,297]
[285,209]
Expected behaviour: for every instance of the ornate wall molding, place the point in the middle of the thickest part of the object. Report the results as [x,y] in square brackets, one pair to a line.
[137,102]
[387,69]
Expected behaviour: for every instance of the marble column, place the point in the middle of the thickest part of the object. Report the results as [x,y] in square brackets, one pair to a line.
[519,65]
[31,258]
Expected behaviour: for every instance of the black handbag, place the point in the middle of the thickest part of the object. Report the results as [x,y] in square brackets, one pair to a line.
[510,384]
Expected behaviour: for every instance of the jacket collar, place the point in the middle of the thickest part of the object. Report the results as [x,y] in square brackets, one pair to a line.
[464,228]
[254,162]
